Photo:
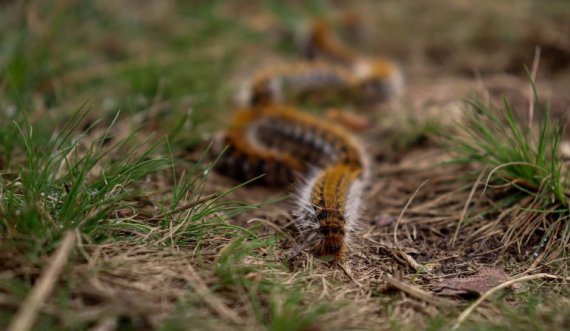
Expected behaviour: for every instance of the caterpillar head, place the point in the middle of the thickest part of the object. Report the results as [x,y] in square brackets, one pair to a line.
[378,80]
[331,233]
[322,231]
[332,241]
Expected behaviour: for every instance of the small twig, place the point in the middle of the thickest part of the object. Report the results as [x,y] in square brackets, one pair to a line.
[412,262]
[418,293]
[183,208]
[399,255]
[467,203]
[349,275]
[499,287]
[28,311]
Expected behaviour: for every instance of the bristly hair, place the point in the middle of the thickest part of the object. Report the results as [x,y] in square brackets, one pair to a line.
[328,209]
[285,143]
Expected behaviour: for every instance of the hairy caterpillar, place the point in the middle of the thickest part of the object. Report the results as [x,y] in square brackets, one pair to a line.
[282,142]
[377,79]
[293,81]
[369,80]
[276,133]
[245,158]
[319,42]
[328,209]
[285,144]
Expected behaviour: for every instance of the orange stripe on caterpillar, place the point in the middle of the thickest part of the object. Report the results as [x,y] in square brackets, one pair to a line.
[320,42]
[282,140]
[369,80]
[316,141]
[328,209]
[377,79]
[244,159]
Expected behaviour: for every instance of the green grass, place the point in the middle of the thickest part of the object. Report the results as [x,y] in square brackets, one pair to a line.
[79,169]
[106,114]
[529,161]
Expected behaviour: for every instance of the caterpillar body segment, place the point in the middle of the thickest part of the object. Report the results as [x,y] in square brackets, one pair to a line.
[318,142]
[377,79]
[321,43]
[279,140]
[328,209]
[245,158]
[297,81]
[368,80]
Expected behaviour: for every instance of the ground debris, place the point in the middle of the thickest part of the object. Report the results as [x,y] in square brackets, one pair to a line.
[474,285]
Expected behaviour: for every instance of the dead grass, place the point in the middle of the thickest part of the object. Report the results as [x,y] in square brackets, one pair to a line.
[180,253]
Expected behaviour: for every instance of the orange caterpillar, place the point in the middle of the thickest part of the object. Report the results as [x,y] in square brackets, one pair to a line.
[264,140]
[328,209]
[283,142]
[319,42]
[367,80]
[378,79]
[245,158]
[294,81]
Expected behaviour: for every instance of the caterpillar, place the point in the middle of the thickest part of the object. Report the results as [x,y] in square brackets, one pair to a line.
[327,164]
[319,42]
[263,140]
[245,158]
[295,81]
[328,208]
[366,80]
[377,79]
[286,144]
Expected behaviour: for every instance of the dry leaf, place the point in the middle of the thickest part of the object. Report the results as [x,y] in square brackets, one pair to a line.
[476,284]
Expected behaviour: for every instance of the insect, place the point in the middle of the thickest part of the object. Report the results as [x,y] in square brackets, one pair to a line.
[287,145]
[327,164]
[297,81]
[377,79]
[366,80]
[319,42]
[328,208]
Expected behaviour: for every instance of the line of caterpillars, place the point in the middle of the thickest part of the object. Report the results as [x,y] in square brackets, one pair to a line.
[328,164]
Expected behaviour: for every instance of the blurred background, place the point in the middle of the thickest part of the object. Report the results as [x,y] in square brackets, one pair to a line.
[185,59]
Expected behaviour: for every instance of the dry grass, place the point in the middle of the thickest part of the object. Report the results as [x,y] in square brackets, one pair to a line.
[181,251]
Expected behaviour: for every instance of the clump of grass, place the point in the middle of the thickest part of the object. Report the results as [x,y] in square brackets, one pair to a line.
[527,162]
[66,182]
